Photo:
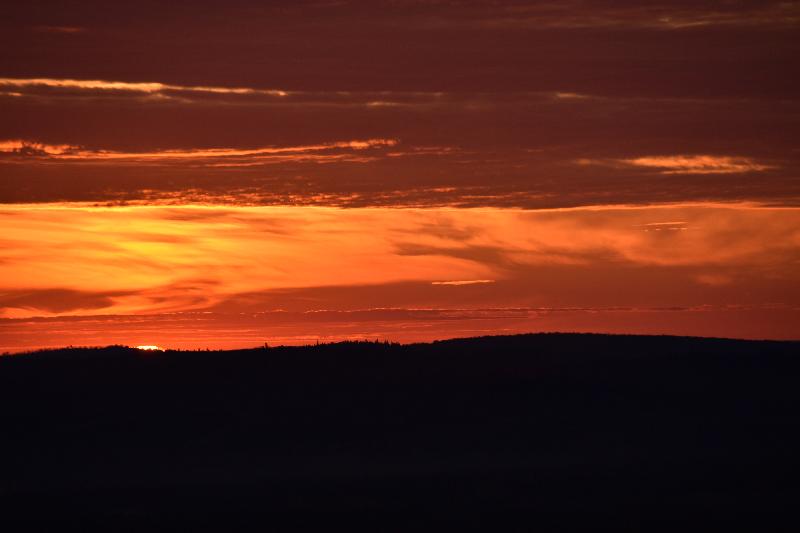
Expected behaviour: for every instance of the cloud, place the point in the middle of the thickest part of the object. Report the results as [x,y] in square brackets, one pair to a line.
[56,300]
[571,96]
[496,255]
[33,148]
[149,88]
[684,164]
[490,149]
[158,92]
[65,152]
[149,259]
[697,164]
[463,282]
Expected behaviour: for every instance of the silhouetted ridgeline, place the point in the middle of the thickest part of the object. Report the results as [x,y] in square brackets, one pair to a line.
[554,430]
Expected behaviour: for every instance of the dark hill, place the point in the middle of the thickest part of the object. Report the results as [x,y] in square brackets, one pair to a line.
[550,431]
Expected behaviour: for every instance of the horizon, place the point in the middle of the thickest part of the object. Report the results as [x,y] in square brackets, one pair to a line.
[266,346]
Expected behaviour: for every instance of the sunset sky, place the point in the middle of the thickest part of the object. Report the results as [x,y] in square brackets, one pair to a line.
[224,174]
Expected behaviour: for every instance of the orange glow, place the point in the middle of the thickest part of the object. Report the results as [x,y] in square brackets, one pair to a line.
[278,178]
[63,260]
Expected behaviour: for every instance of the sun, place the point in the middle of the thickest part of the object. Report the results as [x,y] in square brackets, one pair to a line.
[150,347]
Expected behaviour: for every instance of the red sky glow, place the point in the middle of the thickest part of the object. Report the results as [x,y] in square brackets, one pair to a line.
[220,175]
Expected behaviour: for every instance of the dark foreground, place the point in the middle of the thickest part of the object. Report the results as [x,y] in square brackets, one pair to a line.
[530,432]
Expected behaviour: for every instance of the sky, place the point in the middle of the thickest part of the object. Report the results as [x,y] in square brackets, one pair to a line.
[224,174]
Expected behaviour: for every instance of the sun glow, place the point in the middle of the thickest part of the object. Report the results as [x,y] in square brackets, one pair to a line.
[199,276]
[150,348]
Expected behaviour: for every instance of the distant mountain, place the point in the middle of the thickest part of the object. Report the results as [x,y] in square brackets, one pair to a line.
[524,432]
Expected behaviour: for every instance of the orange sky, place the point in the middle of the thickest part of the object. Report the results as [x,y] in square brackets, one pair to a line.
[238,275]
[227,173]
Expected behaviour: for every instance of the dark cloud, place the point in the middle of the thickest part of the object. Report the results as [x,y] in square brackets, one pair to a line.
[495,256]
[58,300]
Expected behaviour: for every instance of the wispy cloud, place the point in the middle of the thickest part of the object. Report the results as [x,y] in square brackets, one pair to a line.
[571,96]
[697,164]
[310,152]
[463,282]
[685,164]
[155,92]
[151,88]
[33,148]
